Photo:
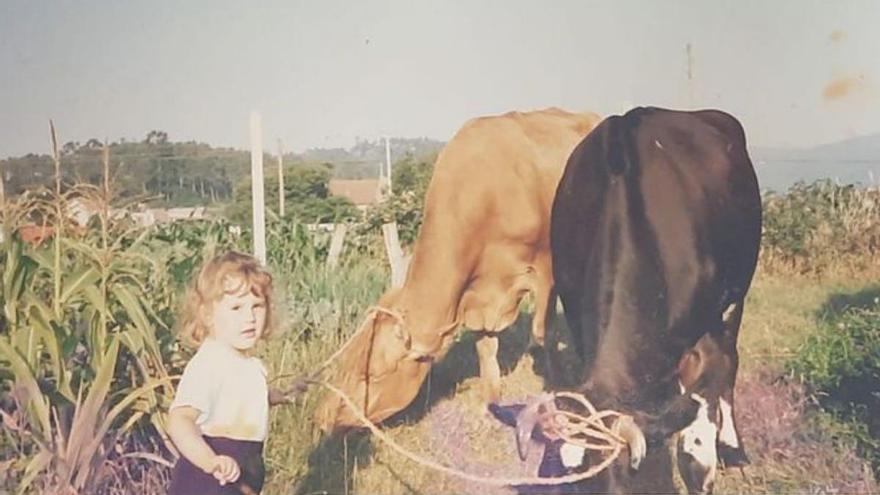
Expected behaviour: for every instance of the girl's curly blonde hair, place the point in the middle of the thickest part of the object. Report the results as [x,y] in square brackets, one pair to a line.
[227,273]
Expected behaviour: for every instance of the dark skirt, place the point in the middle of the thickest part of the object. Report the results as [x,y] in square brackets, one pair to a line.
[187,479]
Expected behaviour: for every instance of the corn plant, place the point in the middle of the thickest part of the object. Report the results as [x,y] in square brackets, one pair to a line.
[70,309]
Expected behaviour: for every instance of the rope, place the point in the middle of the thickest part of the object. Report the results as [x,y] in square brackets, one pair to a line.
[313,376]
[557,424]
[569,423]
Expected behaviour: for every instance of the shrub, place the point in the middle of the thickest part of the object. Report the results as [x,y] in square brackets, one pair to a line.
[840,365]
[820,225]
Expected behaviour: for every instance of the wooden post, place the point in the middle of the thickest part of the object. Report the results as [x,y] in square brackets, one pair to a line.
[105,159]
[56,158]
[280,181]
[60,211]
[395,254]
[2,189]
[690,73]
[336,244]
[388,162]
[259,214]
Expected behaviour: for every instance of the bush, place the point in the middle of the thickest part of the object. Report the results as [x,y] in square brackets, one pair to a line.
[306,195]
[816,226]
[406,205]
[840,366]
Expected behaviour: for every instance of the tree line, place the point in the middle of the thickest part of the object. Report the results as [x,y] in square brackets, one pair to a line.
[166,173]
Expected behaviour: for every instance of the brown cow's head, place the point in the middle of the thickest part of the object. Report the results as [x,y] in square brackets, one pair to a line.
[381,370]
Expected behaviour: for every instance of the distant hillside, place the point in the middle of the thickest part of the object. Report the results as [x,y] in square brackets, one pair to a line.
[190,173]
[852,161]
[364,159]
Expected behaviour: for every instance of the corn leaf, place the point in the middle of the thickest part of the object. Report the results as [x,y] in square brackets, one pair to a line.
[37,465]
[38,404]
[87,416]
[43,329]
[87,276]
[135,311]
[118,409]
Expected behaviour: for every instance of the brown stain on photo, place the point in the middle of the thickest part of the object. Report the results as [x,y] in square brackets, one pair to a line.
[837,35]
[844,86]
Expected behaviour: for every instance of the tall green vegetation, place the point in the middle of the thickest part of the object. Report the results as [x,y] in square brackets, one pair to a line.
[840,365]
[307,197]
[84,357]
[820,226]
[409,179]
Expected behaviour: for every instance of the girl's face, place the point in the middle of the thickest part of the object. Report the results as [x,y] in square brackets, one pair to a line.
[238,319]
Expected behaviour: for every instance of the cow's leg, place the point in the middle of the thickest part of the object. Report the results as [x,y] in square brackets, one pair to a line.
[730,447]
[545,336]
[540,321]
[490,371]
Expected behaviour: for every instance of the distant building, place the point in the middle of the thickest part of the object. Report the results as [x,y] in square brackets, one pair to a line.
[363,193]
[151,216]
[80,210]
[35,234]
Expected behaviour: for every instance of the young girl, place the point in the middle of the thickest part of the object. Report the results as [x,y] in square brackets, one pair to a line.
[219,417]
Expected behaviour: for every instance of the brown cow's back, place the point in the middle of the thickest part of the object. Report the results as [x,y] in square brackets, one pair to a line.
[485,235]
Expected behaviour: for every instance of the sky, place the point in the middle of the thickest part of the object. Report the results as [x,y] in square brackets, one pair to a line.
[325,73]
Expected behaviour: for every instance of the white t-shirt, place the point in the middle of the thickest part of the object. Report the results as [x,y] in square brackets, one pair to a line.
[229,389]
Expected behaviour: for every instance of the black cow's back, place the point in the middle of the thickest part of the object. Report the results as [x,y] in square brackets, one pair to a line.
[654,232]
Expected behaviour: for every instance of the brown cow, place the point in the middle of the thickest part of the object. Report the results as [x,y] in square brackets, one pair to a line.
[484,244]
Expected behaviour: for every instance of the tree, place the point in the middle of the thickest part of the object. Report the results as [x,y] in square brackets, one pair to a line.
[306,193]
[410,179]
[156,137]
[93,144]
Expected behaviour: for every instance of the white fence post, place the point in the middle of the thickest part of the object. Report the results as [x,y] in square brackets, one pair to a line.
[259,215]
[336,244]
[395,254]
[280,180]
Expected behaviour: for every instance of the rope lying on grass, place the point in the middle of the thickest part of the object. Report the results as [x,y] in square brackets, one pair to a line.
[588,432]
[571,427]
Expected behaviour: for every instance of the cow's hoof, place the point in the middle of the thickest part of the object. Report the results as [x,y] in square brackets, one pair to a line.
[731,457]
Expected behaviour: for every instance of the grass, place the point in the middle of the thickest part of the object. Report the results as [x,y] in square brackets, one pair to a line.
[794,447]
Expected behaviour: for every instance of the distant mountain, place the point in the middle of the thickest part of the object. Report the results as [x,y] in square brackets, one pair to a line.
[852,161]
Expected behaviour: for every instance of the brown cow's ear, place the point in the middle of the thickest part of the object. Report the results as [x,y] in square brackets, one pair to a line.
[402,335]
[690,368]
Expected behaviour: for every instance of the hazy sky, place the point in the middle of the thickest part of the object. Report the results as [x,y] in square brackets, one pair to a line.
[321,73]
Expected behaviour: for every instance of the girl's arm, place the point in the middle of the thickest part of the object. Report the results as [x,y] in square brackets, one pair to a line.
[188,438]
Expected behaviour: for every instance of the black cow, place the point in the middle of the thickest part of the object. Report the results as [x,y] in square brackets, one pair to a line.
[655,232]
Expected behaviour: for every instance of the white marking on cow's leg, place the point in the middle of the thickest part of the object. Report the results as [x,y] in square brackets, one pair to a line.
[681,387]
[698,440]
[728,432]
[571,455]
[729,312]
[658,144]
